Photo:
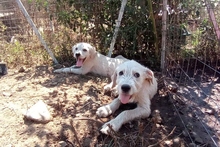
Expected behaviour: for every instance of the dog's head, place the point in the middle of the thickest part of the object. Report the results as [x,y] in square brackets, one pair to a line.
[82,52]
[129,78]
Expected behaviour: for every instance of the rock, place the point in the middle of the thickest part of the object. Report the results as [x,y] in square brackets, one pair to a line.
[53,83]
[168,142]
[173,87]
[57,66]
[156,116]
[197,138]
[22,69]
[218,133]
[192,145]
[38,112]
[210,112]
[86,142]
[62,144]
[8,94]
[157,125]
[185,134]
[176,142]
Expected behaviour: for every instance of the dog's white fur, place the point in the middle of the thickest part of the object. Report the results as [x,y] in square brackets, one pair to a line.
[92,62]
[143,86]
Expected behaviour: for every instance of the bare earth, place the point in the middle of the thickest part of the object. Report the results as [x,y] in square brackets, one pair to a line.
[72,101]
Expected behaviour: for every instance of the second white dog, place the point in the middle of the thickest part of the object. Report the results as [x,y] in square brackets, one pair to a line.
[134,83]
[89,60]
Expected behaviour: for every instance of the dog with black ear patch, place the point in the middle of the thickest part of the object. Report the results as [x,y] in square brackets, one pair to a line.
[134,83]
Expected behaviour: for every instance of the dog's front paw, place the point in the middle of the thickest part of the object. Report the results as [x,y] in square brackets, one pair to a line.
[108,127]
[104,111]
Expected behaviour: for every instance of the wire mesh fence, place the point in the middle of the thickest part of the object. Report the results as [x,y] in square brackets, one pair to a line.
[63,23]
[192,62]
[19,44]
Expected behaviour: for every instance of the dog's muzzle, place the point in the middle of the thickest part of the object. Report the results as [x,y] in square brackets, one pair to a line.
[125,88]
[77,55]
[79,61]
[124,95]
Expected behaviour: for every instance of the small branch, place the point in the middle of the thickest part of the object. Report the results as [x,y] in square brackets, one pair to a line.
[85,118]
[112,132]
[74,131]
[163,138]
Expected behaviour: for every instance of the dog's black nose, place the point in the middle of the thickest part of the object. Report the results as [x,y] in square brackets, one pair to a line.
[125,88]
[77,55]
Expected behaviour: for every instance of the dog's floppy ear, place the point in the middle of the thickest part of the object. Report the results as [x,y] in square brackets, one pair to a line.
[92,52]
[113,77]
[149,75]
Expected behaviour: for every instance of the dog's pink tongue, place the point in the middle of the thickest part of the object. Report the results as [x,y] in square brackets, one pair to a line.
[79,62]
[124,98]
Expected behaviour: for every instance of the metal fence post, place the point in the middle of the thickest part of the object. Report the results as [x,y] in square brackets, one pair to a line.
[118,23]
[27,16]
[164,28]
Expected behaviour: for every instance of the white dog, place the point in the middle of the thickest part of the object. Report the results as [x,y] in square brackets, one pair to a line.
[134,83]
[89,60]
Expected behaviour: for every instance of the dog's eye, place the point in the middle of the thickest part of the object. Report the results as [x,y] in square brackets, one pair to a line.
[137,75]
[121,73]
[76,49]
[85,50]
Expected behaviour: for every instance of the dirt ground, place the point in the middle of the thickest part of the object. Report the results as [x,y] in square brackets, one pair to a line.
[72,100]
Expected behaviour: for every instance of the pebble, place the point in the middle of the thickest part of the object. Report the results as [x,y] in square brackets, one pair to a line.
[218,133]
[185,134]
[156,115]
[168,142]
[176,142]
[8,94]
[197,138]
[22,69]
[62,144]
[192,145]
[210,112]
[86,142]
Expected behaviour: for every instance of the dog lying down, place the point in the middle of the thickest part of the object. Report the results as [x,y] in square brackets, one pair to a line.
[134,83]
[89,60]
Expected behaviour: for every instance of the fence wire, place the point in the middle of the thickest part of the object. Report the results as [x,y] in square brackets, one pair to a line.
[192,62]
[19,44]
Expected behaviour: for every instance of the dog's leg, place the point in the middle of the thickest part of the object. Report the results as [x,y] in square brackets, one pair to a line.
[106,110]
[65,70]
[126,116]
[73,69]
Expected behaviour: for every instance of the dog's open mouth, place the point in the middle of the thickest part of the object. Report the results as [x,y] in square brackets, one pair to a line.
[79,62]
[125,98]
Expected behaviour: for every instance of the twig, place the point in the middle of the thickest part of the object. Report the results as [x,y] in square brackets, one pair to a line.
[74,131]
[70,143]
[163,138]
[112,132]
[86,118]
